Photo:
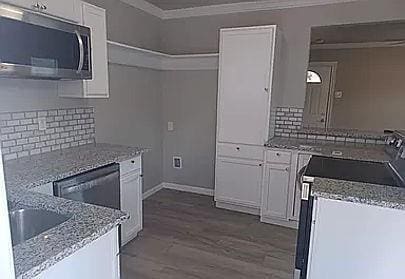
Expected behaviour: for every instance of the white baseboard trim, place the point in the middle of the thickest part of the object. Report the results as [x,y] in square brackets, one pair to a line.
[178,187]
[188,188]
[152,191]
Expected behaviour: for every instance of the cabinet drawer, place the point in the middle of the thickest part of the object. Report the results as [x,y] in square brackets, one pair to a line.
[278,157]
[130,165]
[240,151]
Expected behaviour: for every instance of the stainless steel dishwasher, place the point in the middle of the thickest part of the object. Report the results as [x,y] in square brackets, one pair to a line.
[100,186]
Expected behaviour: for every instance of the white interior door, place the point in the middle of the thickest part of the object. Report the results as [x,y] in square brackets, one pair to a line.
[317,95]
[246,56]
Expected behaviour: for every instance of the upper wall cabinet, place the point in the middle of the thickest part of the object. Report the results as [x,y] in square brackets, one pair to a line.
[95,18]
[65,9]
[244,91]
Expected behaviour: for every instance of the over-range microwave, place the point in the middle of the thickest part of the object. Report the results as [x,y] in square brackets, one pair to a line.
[34,46]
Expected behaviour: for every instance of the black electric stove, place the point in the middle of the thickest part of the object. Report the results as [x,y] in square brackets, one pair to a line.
[352,170]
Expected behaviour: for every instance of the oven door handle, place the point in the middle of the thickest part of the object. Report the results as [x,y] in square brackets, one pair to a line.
[81,51]
[300,175]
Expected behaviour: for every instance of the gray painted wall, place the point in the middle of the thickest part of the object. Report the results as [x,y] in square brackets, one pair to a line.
[18,95]
[126,24]
[189,100]
[200,35]
[133,116]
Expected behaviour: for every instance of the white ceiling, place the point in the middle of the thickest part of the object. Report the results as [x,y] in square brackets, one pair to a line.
[182,4]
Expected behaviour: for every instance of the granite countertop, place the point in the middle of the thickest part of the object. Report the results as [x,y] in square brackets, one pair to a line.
[88,222]
[358,192]
[354,151]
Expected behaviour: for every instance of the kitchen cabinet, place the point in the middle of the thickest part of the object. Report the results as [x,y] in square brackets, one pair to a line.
[275,192]
[244,84]
[355,240]
[64,9]
[131,198]
[98,87]
[281,191]
[245,76]
[99,259]
[238,182]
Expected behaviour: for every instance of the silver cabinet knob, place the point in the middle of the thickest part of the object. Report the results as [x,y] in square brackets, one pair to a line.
[43,7]
[266,89]
[37,6]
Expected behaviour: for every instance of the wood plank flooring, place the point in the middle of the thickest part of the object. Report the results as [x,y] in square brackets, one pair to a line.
[185,236]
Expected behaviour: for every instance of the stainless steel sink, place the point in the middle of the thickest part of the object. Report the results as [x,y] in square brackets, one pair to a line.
[27,223]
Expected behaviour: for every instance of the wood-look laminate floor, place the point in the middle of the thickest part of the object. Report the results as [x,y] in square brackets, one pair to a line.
[185,236]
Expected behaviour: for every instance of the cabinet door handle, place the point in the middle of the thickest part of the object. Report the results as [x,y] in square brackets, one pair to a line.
[238,148]
[260,165]
[266,89]
[43,7]
[37,6]
[278,154]
[132,161]
[287,169]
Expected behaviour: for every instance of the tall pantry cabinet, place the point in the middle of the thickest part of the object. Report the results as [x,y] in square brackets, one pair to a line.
[246,60]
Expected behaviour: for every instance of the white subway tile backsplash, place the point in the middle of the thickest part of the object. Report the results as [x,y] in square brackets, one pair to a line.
[20,135]
[288,123]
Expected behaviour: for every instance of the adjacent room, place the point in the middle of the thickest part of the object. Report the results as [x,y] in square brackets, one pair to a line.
[157,139]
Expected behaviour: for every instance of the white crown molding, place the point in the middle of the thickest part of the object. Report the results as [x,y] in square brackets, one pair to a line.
[359,45]
[228,8]
[123,54]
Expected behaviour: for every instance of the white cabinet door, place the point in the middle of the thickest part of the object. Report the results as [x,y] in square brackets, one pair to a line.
[131,203]
[238,182]
[99,259]
[95,18]
[29,4]
[66,9]
[245,73]
[98,87]
[275,191]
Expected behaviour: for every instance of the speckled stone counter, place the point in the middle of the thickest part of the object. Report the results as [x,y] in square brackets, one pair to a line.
[355,151]
[372,194]
[88,222]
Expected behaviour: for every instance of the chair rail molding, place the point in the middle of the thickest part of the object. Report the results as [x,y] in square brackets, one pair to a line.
[228,8]
[123,54]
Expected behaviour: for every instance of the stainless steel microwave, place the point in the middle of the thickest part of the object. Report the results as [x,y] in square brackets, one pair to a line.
[35,46]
